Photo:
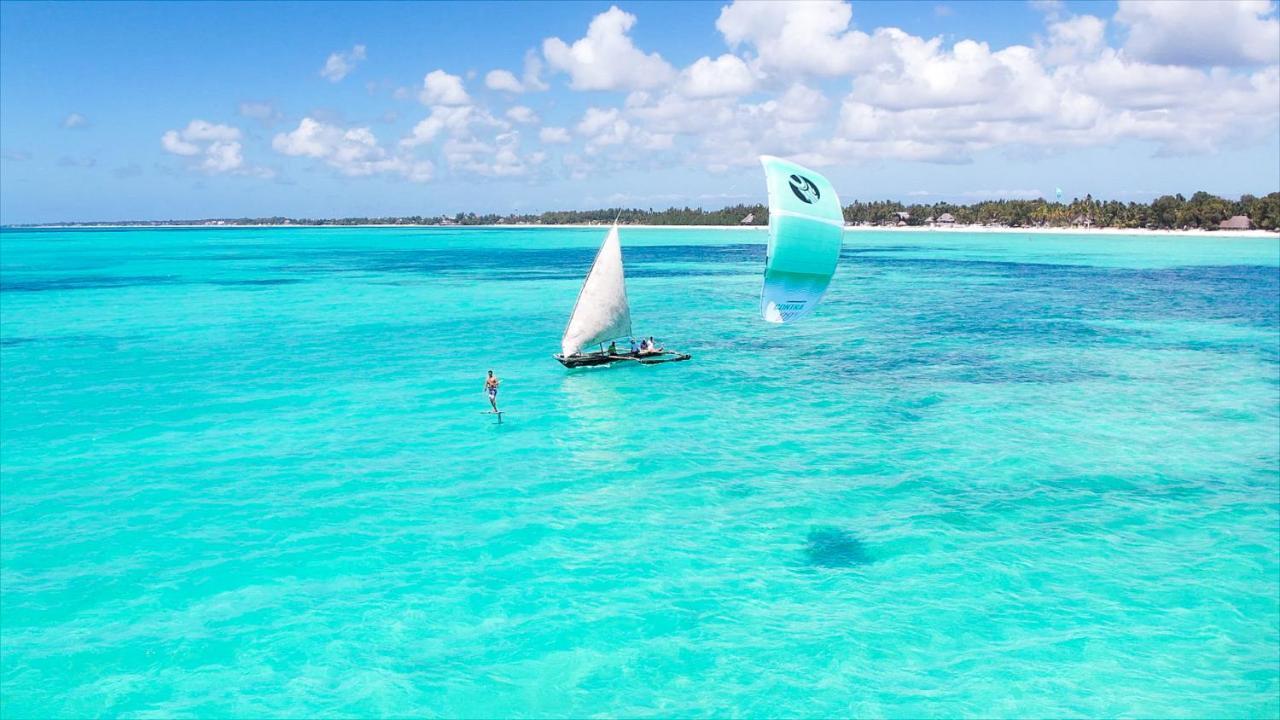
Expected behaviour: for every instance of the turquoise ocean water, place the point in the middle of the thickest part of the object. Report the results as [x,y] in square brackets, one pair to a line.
[244,472]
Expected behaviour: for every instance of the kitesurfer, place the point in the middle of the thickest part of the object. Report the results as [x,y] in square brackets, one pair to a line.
[491,389]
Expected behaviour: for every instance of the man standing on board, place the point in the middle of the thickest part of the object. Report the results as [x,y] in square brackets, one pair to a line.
[491,389]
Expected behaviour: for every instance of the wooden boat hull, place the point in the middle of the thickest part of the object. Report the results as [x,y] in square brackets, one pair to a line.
[597,359]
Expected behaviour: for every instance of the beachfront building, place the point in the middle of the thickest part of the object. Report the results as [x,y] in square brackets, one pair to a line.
[946,219]
[1236,222]
[1083,221]
[903,217]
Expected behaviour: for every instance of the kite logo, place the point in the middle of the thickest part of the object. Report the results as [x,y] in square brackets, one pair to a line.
[804,189]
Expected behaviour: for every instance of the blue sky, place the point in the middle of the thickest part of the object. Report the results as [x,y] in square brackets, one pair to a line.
[174,110]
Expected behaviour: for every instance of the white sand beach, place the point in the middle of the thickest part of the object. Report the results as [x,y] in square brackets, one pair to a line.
[960,229]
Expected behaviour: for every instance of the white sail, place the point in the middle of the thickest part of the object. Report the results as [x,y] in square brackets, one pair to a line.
[602,312]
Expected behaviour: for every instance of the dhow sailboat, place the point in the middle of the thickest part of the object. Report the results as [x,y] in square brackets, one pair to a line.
[602,315]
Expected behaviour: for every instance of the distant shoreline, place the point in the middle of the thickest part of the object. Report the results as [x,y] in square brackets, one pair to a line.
[967,229]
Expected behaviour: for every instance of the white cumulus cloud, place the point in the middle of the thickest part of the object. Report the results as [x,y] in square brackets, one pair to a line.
[610,127]
[532,77]
[506,81]
[724,76]
[1075,39]
[222,157]
[801,36]
[75,120]
[352,151]
[929,75]
[202,130]
[1222,32]
[441,88]
[340,64]
[499,157]
[441,118]
[218,146]
[522,114]
[452,121]
[472,141]
[554,135]
[173,143]
[502,80]
[607,59]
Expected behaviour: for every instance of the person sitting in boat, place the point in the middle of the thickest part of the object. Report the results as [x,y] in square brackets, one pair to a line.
[649,347]
[635,349]
[613,347]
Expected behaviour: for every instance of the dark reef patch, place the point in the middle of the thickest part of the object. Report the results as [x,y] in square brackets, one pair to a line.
[835,548]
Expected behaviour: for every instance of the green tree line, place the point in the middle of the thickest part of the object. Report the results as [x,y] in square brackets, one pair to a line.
[1202,210]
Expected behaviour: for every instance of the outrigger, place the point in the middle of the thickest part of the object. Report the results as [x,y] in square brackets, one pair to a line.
[602,314]
[604,357]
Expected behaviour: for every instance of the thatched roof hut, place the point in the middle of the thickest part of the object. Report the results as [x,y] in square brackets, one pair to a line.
[1237,222]
[946,219]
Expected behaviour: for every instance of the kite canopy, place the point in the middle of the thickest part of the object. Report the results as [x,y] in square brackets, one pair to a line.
[806,230]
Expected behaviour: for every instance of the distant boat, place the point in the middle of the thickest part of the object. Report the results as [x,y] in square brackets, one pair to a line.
[602,315]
